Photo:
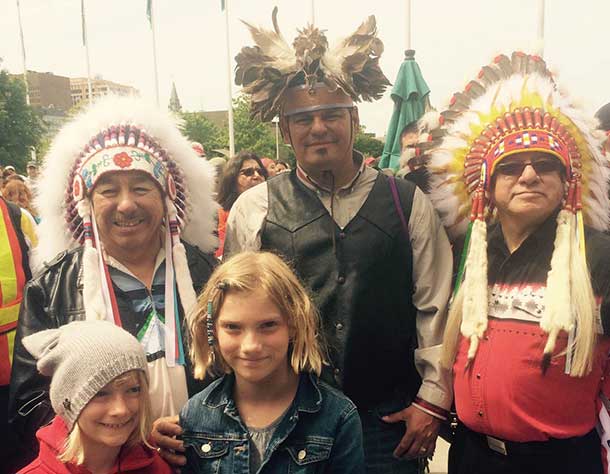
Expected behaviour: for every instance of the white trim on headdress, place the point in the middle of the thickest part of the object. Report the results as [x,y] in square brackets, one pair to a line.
[513,106]
[55,179]
[128,128]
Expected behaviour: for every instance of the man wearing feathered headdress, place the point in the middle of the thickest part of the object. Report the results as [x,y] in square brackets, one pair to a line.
[120,190]
[517,174]
[370,248]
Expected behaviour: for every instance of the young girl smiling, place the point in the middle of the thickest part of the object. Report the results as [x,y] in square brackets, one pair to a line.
[99,391]
[268,413]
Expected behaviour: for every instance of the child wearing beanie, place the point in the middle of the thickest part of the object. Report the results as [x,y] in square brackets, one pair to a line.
[99,391]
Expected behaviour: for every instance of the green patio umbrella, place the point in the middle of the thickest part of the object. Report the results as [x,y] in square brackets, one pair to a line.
[410,96]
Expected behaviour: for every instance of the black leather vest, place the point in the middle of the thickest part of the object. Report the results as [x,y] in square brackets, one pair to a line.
[362,284]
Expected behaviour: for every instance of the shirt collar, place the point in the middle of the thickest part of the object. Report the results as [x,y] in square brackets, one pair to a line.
[113,262]
[315,186]
[543,235]
[307,399]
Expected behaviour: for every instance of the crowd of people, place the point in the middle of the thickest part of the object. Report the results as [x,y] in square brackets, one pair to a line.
[161,310]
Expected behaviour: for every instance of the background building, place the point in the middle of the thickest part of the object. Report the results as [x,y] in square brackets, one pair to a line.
[99,87]
[47,90]
[220,118]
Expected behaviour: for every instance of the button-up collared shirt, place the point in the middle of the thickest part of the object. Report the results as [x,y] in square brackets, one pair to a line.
[432,263]
[503,392]
[167,388]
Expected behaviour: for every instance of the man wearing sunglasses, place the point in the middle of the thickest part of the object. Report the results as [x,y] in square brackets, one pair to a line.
[518,174]
[526,189]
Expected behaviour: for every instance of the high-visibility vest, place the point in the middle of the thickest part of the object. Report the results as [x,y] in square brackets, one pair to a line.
[12,281]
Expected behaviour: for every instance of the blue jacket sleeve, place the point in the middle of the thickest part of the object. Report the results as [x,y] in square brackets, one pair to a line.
[348,454]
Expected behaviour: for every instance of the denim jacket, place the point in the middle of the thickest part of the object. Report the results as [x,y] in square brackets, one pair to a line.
[320,433]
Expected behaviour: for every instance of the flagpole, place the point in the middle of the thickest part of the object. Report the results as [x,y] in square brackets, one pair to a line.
[25,69]
[86,44]
[408,26]
[276,121]
[154,45]
[229,82]
[313,12]
[540,32]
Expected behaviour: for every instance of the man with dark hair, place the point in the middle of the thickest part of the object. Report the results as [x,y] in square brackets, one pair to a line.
[128,223]
[370,248]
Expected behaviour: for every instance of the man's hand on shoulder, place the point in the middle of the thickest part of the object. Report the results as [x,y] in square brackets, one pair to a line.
[163,435]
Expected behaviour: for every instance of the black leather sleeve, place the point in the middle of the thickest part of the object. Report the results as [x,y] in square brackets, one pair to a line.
[51,299]
[29,405]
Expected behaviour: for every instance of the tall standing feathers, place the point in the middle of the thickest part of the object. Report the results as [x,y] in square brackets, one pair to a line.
[268,68]
[353,62]
[272,44]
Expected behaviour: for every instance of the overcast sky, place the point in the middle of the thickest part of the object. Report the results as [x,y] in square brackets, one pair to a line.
[452,39]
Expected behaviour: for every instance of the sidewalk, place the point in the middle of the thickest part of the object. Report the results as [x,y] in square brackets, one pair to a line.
[438,465]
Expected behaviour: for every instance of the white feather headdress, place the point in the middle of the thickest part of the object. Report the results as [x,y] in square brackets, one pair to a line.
[122,134]
[56,177]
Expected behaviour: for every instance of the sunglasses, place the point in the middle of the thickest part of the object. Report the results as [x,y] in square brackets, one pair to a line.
[248,172]
[540,167]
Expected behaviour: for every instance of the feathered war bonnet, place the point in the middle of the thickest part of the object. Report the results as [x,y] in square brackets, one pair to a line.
[272,68]
[514,106]
[119,134]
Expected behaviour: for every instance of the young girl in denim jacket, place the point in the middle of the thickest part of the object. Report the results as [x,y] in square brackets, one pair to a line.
[268,413]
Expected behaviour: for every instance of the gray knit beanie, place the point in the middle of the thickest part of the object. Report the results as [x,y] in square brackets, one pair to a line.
[82,357]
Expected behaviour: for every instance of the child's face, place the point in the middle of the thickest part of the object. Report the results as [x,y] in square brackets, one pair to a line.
[113,414]
[253,336]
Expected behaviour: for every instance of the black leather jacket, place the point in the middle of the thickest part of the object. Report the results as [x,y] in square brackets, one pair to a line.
[55,298]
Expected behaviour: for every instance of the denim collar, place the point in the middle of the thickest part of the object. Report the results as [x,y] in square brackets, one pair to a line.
[308,397]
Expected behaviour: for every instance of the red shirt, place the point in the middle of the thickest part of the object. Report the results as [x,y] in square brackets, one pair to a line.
[222,231]
[136,460]
[504,392]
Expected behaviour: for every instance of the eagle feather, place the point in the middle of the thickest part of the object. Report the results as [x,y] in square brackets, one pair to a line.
[273,45]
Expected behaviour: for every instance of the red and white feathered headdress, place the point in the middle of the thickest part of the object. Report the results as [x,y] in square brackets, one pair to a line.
[514,106]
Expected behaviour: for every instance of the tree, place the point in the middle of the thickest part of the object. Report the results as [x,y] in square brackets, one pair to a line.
[366,144]
[20,126]
[201,129]
[253,135]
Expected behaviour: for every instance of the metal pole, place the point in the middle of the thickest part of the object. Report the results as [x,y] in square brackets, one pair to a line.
[313,12]
[540,32]
[408,26]
[85,40]
[25,69]
[229,83]
[277,139]
[154,45]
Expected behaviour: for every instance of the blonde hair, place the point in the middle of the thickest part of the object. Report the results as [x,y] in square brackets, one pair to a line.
[73,450]
[246,272]
[569,304]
